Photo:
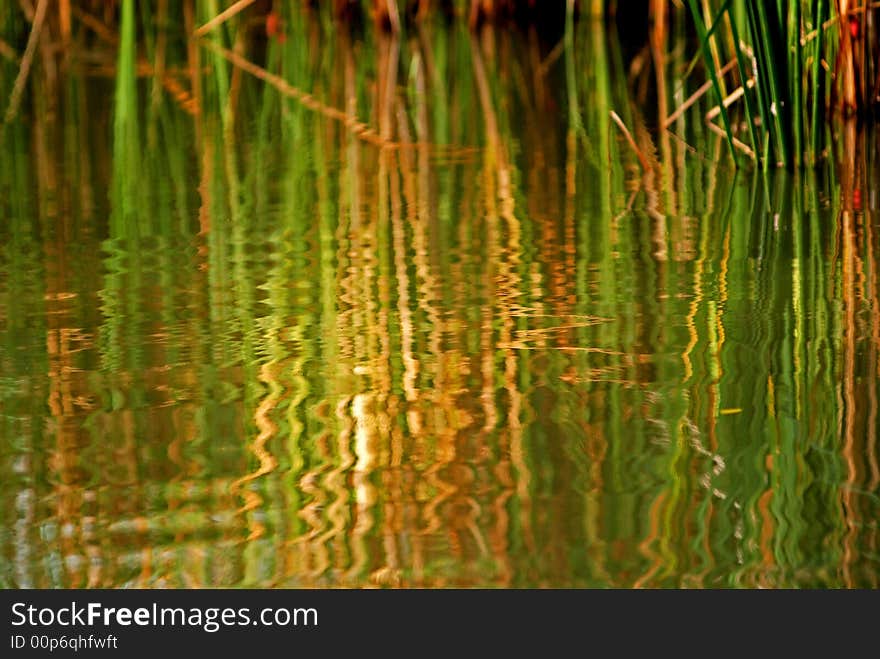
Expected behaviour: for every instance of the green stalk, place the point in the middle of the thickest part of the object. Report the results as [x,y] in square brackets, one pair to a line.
[707,57]
[820,8]
[574,113]
[768,30]
[772,145]
[751,110]
[797,82]
[126,150]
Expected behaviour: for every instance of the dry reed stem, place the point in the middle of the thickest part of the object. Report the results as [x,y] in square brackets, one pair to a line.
[7,51]
[390,13]
[223,16]
[730,100]
[693,98]
[813,34]
[360,129]
[96,25]
[26,61]
[742,146]
[551,58]
[168,78]
[643,160]
[846,62]
[64,20]
[28,9]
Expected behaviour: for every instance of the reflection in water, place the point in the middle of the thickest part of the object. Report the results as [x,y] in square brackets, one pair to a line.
[472,344]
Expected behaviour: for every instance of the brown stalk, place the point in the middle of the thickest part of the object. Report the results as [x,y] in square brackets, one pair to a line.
[351,122]
[95,25]
[739,144]
[26,61]
[64,21]
[387,15]
[222,17]
[846,62]
[693,98]
[8,51]
[643,160]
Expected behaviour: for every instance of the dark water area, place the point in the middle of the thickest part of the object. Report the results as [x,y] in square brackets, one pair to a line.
[425,318]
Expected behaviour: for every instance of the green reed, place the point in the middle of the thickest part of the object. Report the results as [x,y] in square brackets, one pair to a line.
[785,52]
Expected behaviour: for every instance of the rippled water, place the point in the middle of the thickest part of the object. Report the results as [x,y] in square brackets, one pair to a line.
[474,345]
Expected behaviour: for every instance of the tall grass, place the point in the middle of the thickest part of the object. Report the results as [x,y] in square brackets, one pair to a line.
[799,65]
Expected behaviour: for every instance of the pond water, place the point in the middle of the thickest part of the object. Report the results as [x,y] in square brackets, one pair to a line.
[435,323]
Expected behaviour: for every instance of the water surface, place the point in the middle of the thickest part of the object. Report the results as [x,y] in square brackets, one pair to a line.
[468,343]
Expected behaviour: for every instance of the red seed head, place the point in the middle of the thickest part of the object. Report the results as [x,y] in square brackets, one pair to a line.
[273,24]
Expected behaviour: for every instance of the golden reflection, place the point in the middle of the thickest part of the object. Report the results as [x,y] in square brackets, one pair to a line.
[267,462]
